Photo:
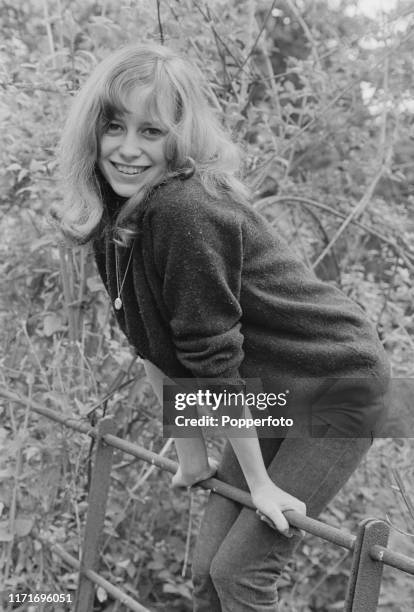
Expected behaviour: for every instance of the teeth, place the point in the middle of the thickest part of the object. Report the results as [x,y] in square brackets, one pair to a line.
[130,169]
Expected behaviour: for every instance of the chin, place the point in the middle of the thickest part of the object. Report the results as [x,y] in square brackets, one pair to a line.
[124,192]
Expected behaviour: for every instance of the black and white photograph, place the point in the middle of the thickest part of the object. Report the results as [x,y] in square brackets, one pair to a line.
[207,306]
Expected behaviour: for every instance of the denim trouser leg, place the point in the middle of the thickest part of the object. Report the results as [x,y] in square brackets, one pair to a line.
[238,558]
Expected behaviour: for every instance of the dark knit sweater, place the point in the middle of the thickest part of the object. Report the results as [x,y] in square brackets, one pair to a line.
[214,291]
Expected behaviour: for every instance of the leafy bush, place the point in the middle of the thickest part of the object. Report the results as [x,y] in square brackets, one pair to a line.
[318,98]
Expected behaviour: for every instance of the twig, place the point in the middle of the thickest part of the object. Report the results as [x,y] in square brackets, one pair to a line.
[384,160]
[402,327]
[244,81]
[34,87]
[254,45]
[359,208]
[403,493]
[271,78]
[35,355]
[60,18]
[207,18]
[49,32]
[151,468]
[307,32]
[331,570]
[389,290]
[326,238]
[391,524]
[159,22]
[17,473]
[188,537]
[229,84]
[108,395]
[68,295]
[353,83]
[405,256]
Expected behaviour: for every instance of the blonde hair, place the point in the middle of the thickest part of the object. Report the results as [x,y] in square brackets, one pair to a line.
[177,96]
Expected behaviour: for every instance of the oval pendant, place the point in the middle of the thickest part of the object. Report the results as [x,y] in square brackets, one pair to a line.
[118,303]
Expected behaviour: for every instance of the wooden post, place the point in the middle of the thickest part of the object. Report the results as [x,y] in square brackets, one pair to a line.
[97,499]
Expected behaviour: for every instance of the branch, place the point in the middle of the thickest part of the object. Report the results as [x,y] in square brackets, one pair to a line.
[366,198]
[159,22]
[49,32]
[407,257]
[403,491]
[354,83]
[266,19]
[207,18]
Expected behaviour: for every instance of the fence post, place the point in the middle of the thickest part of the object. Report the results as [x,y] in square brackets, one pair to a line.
[366,573]
[97,498]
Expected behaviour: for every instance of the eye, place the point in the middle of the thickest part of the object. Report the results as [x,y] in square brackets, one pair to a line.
[113,127]
[152,132]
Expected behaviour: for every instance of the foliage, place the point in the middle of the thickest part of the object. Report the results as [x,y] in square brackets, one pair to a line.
[318,98]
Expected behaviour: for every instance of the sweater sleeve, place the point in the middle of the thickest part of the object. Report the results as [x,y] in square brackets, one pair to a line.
[198,254]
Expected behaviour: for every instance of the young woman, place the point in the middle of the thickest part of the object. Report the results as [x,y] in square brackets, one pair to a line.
[203,287]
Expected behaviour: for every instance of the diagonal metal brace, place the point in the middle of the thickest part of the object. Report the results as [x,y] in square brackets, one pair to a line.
[366,572]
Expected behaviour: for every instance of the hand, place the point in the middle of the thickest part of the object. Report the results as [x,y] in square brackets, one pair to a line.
[271,502]
[180,480]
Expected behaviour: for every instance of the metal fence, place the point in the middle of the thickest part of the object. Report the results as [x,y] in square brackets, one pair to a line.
[368,547]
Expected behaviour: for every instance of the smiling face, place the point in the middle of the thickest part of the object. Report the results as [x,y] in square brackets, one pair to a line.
[131,148]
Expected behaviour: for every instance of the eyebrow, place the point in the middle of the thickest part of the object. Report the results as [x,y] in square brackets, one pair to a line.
[118,115]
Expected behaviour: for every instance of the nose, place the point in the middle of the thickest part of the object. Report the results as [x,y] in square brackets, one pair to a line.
[130,146]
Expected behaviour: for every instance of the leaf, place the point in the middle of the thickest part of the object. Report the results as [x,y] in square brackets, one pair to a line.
[22,527]
[101,594]
[13,167]
[5,535]
[51,324]
[31,452]
[94,283]
[6,473]
[156,565]
[22,174]
[131,570]
[177,589]
[40,243]
[36,166]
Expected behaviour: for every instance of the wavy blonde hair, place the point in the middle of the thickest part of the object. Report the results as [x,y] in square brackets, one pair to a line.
[176,96]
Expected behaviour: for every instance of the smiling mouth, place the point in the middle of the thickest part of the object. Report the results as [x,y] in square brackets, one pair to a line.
[130,170]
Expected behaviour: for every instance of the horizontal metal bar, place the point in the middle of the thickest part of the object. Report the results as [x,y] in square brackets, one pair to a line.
[69,421]
[394,559]
[326,532]
[317,528]
[97,579]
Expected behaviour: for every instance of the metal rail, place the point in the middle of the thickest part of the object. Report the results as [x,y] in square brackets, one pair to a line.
[369,552]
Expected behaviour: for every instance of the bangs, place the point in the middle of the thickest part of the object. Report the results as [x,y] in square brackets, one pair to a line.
[163,104]
[155,94]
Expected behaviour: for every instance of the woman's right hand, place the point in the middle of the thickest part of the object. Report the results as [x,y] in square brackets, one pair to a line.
[271,501]
[181,480]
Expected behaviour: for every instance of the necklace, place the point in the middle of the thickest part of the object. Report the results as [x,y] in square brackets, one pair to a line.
[119,284]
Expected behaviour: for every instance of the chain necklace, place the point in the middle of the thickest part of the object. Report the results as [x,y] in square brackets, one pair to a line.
[119,284]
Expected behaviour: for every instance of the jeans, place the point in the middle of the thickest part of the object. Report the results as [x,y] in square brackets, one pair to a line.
[238,558]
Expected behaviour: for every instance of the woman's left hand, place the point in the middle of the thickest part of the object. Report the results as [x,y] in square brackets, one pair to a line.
[271,501]
[181,480]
